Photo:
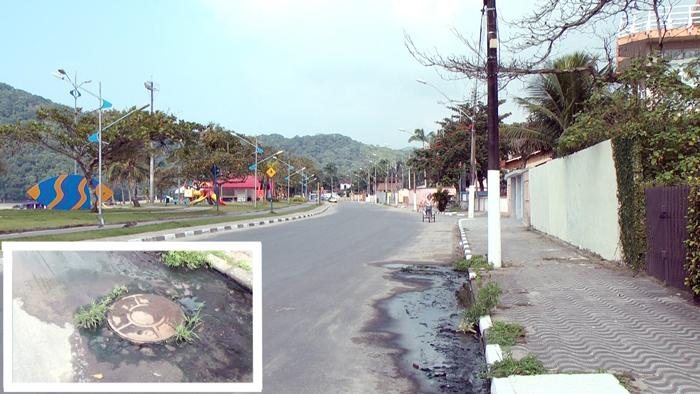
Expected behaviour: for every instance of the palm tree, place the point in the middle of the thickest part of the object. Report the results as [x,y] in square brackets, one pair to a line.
[418,135]
[553,102]
[130,171]
[331,170]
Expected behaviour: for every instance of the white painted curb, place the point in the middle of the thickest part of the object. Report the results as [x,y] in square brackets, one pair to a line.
[493,352]
[251,222]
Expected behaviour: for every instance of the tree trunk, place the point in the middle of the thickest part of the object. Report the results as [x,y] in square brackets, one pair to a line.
[135,200]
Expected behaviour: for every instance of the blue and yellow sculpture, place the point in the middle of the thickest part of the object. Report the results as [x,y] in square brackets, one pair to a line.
[66,192]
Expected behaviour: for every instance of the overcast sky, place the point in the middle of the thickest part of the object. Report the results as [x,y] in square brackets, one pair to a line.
[257,67]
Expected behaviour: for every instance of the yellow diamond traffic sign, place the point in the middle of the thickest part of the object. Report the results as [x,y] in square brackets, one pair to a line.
[270,172]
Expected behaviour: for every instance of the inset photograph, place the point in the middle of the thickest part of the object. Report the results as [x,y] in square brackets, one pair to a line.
[131,316]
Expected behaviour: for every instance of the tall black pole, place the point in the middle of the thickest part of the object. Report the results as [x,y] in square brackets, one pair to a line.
[494,183]
[492,75]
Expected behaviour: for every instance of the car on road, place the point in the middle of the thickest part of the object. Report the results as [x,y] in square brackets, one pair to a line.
[333,199]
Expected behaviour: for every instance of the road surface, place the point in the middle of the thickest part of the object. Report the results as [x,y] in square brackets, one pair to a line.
[321,278]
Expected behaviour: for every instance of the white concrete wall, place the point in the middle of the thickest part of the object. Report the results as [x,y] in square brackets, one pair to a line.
[574,198]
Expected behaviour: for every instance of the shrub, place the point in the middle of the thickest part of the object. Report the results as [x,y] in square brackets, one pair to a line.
[185,259]
[92,316]
[475,262]
[528,365]
[486,299]
[505,334]
[441,197]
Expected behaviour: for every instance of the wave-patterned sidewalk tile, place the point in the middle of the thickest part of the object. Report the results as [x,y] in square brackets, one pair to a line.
[582,314]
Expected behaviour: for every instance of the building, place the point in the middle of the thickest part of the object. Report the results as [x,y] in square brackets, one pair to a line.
[639,36]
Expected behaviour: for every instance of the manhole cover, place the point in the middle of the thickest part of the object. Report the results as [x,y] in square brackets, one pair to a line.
[143,318]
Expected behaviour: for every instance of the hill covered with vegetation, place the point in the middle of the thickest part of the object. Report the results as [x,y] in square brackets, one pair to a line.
[22,165]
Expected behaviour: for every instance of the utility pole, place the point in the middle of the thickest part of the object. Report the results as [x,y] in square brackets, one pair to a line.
[472,160]
[494,174]
[150,87]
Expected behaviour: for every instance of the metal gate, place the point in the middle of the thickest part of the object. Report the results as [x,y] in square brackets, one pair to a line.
[666,210]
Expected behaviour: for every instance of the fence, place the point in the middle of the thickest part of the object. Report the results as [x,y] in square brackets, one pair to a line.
[666,209]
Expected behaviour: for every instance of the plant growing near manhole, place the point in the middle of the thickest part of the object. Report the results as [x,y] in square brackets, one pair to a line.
[185,332]
[475,262]
[505,334]
[528,365]
[92,316]
[185,259]
[487,298]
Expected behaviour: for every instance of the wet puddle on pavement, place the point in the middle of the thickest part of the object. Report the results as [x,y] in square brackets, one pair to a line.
[223,351]
[425,318]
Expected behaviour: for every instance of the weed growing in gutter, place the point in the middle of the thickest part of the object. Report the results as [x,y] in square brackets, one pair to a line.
[92,316]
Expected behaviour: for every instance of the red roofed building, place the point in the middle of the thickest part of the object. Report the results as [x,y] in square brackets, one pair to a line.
[242,190]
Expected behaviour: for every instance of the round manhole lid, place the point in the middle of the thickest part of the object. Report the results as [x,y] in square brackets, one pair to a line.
[144,318]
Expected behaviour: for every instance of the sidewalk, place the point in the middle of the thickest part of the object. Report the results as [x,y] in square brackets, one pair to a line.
[582,314]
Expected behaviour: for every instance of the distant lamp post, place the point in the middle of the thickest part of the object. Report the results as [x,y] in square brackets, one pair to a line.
[257,151]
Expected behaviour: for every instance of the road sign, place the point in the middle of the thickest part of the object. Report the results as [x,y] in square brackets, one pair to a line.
[271,172]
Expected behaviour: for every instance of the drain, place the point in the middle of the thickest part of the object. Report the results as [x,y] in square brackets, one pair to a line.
[144,318]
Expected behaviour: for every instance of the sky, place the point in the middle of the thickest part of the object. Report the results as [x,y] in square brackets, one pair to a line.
[256,67]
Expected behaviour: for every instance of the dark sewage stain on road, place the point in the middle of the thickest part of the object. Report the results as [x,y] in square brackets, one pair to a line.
[422,320]
[221,353]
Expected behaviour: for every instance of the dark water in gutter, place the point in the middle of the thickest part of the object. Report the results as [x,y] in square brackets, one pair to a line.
[424,320]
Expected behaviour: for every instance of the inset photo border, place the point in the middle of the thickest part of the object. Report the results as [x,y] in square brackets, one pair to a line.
[132,316]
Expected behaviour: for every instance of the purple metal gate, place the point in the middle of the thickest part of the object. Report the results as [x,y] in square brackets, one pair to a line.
[666,210]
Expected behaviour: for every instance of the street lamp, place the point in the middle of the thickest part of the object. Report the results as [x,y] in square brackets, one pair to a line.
[255,172]
[472,156]
[62,75]
[97,137]
[274,155]
[151,170]
[289,169]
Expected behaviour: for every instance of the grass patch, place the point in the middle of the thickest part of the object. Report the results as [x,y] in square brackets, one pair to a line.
[240,263]
[486,299]
[185,259]
[528,365]
[118,232]
[92,316]
[185,332]
[505,334]
[475,263]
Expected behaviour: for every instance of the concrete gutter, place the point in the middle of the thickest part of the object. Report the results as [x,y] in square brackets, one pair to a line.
[535,384]
[237,225]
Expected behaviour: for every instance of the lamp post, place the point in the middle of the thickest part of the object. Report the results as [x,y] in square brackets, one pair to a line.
[151,170]
[97,137]
[289,169]
[62,75]
[472,155]
[274,155]
[255,172]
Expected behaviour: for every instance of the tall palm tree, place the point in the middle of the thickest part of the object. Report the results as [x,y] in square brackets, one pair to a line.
[418,135]
[131,171]
[331,169]
[553,102]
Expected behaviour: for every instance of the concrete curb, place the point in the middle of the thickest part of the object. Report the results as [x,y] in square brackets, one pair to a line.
[493,352]
[251,222]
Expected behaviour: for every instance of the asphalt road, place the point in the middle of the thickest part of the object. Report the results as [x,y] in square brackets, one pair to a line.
[321,278]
